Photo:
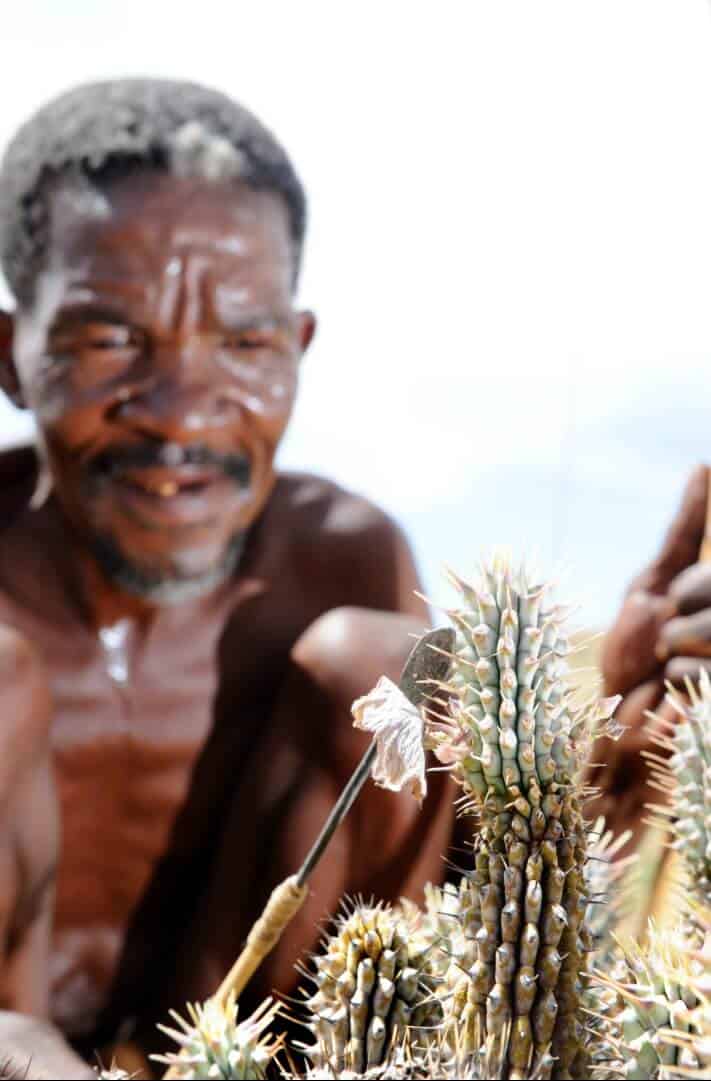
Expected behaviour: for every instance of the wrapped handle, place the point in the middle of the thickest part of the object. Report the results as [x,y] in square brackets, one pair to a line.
[285,901]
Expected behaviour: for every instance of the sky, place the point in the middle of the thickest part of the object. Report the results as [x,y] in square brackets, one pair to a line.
[509,249]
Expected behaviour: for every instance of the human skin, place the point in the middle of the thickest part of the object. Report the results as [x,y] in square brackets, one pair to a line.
[191,783]
[662,634]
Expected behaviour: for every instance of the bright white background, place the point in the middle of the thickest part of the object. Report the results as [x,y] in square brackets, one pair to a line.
[510,247]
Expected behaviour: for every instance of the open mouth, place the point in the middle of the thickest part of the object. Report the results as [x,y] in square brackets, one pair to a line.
[169,483]
[166,484]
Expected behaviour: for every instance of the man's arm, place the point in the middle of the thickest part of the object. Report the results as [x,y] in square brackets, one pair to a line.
[35,840]
[387,846]
[29,1047]
[28,826]
[35,1051]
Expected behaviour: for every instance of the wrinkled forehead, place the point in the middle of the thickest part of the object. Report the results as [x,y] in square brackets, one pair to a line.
[138,228]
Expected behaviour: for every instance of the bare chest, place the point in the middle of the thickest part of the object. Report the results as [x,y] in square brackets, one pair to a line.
[127,731]
[124,755]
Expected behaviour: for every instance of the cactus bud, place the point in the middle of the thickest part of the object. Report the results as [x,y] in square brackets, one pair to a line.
[213,1044]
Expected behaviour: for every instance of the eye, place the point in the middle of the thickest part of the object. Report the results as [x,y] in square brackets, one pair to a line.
[96,337]
[92,353]
[245,341]
[109,336]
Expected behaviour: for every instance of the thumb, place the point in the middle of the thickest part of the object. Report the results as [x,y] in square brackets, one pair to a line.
[682,542]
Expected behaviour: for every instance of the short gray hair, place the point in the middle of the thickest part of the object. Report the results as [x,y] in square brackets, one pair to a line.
[103,130]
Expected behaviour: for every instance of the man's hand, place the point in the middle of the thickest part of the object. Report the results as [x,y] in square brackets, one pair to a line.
[684,642]
[36,1051]
[663,632]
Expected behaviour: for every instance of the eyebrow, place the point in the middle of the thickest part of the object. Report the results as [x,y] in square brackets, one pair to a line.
[254,320]
[227,300]
[75,314]
[102,283]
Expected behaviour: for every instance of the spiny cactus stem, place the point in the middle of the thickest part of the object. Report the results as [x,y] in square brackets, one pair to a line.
[339,811]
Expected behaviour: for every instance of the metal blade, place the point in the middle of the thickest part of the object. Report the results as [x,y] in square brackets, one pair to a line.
[428,664]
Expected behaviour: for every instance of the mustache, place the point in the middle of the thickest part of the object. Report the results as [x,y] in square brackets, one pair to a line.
[235,465]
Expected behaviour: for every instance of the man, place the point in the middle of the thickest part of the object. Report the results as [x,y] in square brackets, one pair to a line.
[184,629]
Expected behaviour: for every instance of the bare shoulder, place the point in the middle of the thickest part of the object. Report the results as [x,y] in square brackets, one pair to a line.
[347,649]
[340,657]
[311,500]
[353,552]
[335,533]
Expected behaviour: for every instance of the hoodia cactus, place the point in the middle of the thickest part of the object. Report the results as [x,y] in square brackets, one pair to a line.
[663,1027]
[683,774]
[517,745]
[437,1060]
[214,1044]
[610,881]
[371,986]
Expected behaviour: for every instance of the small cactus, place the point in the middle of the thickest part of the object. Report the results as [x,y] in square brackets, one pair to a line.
[662,1026]
[213,1044]
[683,774]
[610,882]
[371,987]
[443,930]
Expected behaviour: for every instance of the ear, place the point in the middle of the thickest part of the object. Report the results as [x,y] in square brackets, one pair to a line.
[307,329]
[9,383]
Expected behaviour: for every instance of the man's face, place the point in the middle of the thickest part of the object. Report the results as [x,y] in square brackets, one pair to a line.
[160,358]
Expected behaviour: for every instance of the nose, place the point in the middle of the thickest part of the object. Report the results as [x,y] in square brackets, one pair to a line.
[182,397]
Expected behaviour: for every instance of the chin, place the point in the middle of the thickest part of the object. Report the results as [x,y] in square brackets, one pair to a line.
[166,586]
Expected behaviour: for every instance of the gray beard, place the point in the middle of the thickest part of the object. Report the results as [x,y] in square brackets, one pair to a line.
[160,588]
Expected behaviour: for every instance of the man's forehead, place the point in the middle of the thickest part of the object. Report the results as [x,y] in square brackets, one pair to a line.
[136,223]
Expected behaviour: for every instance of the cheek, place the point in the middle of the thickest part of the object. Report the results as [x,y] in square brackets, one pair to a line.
[47,387]
[33,370]
[266,393]
[49,397]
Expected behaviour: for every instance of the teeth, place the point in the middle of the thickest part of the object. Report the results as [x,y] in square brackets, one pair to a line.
[172,454]
[168,489]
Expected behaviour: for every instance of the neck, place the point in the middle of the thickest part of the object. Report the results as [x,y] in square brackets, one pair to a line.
[105,600]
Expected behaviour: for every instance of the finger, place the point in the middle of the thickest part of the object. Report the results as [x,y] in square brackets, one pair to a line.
[680,548]
[688,636]
[679,669]
[629,655]
[690,591]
